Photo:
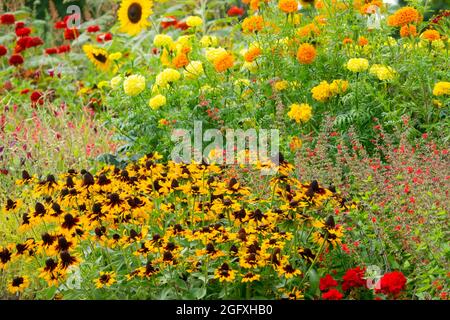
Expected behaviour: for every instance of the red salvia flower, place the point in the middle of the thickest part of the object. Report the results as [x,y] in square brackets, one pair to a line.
[15,60]
[3,50]
[327,282]
[7,18]
[332,294]
[353,278]
[235,11]
[94,28]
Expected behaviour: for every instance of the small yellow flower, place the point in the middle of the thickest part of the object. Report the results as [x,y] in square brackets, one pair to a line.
[133,85]
[157,101]
[194,21]
[300,112]
[18,284]
[441,88]
[167,76]
[115,82]
[115,56]
[295,144]
[357,64]
[163,40]
[338,86]
[106,279]
[213,53]
[208,41]
[281,85]
[103,84]
[322,92]
[382,72]
[194,70]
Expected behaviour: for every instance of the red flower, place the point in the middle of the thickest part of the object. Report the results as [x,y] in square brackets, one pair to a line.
[171,21]
[182,25]
[15,60]
[235,11]
[20,24]
[94,28]
[51,51]
[34,42]
[332,294]
[23,32]
[7,18]
[60,25]
[327,282]
[353,278]
[22,42]
[3,50]
[63,48]
[103,37]
[36,98]
[25,91]
[71,34]
[392,283]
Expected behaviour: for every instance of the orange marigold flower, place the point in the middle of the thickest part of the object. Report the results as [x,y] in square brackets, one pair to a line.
[404,16]
[347,41]
[306,53]
[180,61]
[252,54]
[308,31]
[431,35]
[288,6]
[253,24]
[224,62]
[409,30]
[362,41]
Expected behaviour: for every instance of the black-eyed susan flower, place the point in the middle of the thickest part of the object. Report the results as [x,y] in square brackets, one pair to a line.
[250,277]
[18,284]
[224,273]
[106,279]
[133,15]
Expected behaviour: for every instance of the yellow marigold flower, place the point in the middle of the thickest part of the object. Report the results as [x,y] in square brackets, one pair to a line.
[441,88]
[208,41]
[306,53]
[281,85]
[194,21]
[288,6]
[338,86]
[300,112]
[213,53]
[163,40]
[250,66]
[115,82]
[133,85]
[194,70]
[18,284]
[157,101]
[103,84]
[167,76]
[295,144]
[431,35]
[224,62]
[382,72]
[409,30]
[252,54]
[252,24]
[357,64]
[309,30]
[404,16]
[115,56]
[322,92]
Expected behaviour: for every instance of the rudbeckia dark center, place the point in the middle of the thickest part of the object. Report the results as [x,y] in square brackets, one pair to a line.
[135,12]
[100,57]
[17,281]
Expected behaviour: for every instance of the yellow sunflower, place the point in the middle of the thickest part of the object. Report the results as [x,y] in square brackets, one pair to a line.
[133,15]
[98,56]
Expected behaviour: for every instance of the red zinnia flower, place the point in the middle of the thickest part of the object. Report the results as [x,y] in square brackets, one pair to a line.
[235,11]
[327,282]
[353,278]
[15,60]
[3,50]
[103,37]
[23,32]
[392,283]
[51,50]
[20,24]
[94,28]
[34,42]
[60,25]
[171,21]
[71,34]
[63,48]
[36,98]
[332,294]
[22,42]
[7,18]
